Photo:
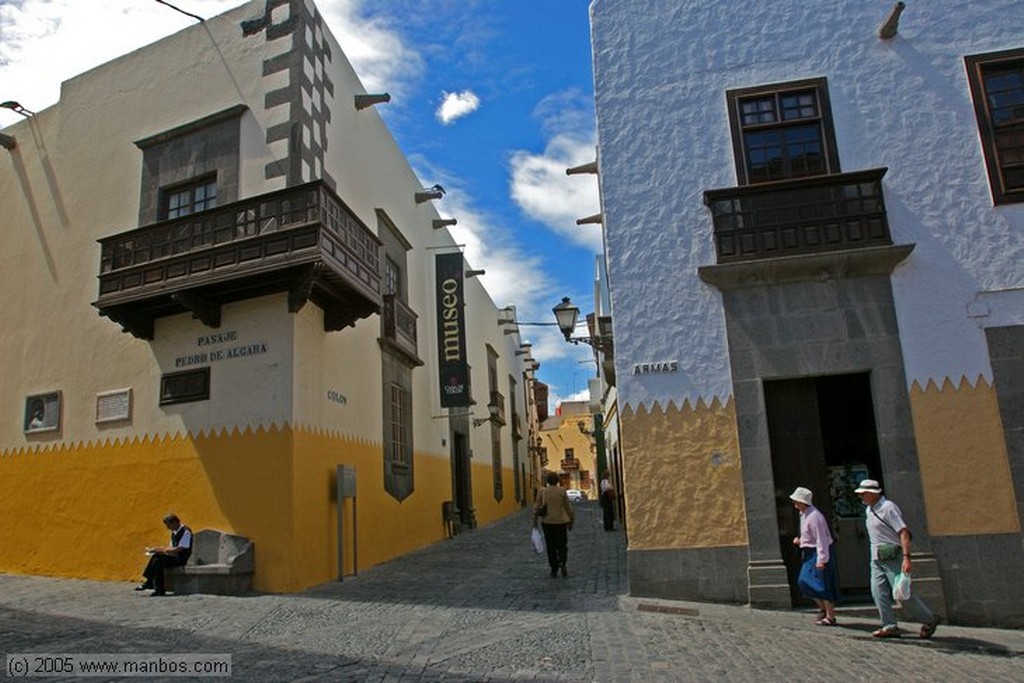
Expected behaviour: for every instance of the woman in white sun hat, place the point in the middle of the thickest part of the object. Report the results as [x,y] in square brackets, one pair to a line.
[818,579]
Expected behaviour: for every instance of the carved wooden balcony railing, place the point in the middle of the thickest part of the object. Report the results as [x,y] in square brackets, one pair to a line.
[802,216]
[398,328]
[303,240]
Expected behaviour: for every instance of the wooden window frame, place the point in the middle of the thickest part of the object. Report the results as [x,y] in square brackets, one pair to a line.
[191,186]
[401,448]
[824,119]
[975,66]
[392,283]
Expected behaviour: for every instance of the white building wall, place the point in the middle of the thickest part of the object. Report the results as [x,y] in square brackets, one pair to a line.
[661,72]
[75,178]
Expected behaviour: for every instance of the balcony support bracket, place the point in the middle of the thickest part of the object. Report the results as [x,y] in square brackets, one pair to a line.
[204,310]
[336,319]
[302,287]
[139,326]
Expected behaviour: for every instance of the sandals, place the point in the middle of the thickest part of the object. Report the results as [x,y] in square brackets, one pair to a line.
[826,621]
[887,632]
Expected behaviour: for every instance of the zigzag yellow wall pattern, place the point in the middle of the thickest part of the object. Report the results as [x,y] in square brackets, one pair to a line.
[683,486]
[94,506]
[962,453]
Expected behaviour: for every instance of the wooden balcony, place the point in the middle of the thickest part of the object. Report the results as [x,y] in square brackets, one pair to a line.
[303,240]
[497,399]
[398,329]
[803,216]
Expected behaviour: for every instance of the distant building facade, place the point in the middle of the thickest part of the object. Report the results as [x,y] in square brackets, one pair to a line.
[568,439]
[228,291]
[813,237]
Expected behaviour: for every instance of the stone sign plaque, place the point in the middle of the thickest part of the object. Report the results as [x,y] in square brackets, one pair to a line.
[112,406]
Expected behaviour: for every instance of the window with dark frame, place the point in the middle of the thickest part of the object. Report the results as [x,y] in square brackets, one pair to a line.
[397,322]
[518,485]
[400,451]
[492,389]
[185,387]
[499,487]
[193,197]
[997,88]
[782,131]
[392,277]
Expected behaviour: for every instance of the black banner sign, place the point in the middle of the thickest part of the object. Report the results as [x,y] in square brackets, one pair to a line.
[451,331]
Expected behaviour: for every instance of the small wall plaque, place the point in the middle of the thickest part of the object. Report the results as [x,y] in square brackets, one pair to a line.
[115,405]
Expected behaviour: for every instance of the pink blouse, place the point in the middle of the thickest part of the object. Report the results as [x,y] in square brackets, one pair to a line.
[814,533]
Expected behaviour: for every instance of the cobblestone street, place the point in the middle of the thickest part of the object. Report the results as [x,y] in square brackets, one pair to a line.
[482,607]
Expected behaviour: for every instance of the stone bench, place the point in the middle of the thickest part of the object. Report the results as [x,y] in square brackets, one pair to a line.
[220,563]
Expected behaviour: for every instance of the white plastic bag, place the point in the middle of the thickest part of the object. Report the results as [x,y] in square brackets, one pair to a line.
[901,587]
[537,540]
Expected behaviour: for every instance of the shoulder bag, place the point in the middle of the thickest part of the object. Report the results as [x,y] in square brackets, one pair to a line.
[542,509]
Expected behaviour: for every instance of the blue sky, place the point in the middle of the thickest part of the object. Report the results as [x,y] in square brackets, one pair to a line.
[491,98]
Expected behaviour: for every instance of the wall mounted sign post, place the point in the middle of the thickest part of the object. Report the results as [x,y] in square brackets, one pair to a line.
[346,483]
[451,331]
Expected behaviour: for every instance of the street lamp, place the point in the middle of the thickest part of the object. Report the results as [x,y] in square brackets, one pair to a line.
[494,415]
[16,108]
[567,313]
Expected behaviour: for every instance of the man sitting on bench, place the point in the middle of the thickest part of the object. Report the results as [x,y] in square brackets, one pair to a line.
[174,555]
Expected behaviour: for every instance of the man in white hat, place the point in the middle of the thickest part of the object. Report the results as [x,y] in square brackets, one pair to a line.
[890,555]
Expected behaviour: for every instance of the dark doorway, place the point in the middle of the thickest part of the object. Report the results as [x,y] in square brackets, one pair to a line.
[822,435]
[462,481]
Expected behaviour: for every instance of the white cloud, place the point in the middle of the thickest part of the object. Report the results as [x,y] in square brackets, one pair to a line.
[455,105]
[512,277]
[539,184]
[377,51]
[45,42]
[582,395]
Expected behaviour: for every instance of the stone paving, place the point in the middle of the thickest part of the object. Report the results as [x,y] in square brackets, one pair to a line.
[482,607]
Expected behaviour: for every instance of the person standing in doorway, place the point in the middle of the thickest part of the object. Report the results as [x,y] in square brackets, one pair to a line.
[174,555]
[890,555]
[607,497]
[555,514]
[819,580]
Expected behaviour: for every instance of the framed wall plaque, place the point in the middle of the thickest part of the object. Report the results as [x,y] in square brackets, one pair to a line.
[42,412]
[114,406]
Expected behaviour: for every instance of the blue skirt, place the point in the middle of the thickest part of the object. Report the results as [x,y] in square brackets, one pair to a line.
[822,584]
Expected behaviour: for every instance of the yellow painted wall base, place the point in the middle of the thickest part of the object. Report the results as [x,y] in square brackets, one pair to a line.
[386,529]
[88,511]
[487,508]
[962,452]
[682,477]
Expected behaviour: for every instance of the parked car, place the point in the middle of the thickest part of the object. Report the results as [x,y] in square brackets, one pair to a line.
[576,495]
